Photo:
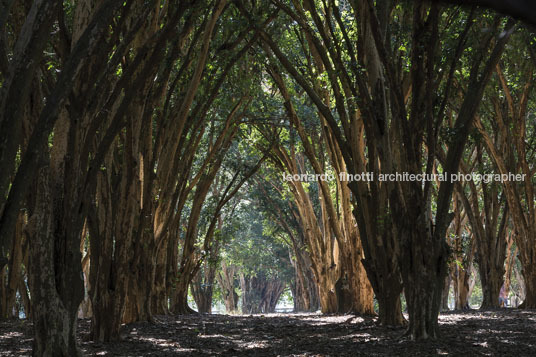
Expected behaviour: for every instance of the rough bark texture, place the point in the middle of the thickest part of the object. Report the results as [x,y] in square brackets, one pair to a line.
[14,271]
[54,319]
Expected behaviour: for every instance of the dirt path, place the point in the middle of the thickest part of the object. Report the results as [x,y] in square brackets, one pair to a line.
[474,333]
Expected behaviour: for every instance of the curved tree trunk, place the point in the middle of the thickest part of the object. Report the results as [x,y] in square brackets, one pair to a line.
[180,299]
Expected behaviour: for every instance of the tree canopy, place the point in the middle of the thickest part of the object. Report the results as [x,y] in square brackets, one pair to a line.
[158,154]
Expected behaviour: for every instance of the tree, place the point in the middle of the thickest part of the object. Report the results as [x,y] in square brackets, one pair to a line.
[64,171]
[260,261]
[510,153]
[389,113]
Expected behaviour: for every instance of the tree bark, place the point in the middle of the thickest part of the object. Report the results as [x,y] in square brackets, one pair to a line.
[180,299]
[54,319]
[445,295]
[14,269]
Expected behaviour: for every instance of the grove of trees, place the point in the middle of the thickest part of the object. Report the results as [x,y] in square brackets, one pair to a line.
[148,149]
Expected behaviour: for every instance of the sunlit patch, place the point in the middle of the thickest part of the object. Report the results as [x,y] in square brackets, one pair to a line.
[358,336]
[9,335]
[484,333]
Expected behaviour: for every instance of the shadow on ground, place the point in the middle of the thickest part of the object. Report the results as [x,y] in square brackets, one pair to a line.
[505,332]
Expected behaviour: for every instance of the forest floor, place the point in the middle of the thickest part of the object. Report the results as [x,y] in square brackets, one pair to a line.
[505,332]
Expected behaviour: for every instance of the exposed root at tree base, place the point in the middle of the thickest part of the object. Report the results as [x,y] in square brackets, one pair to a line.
[502,332]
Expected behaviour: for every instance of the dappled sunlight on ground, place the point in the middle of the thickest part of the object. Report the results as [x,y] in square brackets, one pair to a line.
[503,332]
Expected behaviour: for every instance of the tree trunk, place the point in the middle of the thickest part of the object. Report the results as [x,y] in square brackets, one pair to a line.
[462,277]
[26,303]
[390,310]
[353,290]
[204,302]
[384,278]
[445,294]
[462,289]
[14,268]
[529,275]
[159,296]
[492,281]
[202,285]
[112,230]
[180,303]
[423,307]
[106,319]
[509,154]
[271,294]
[54,317]
[202,290]
[226,279]
[85,307]
[510,261]
[327,295]
[246,285]
[424,274]
[304,289]
[139,296]
[521,282]
[110,238]
[259,294]
[489,231]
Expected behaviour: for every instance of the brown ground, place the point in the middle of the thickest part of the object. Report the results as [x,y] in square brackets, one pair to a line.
[474,333]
